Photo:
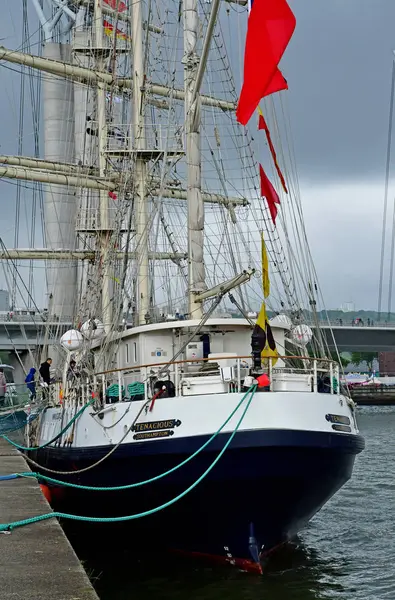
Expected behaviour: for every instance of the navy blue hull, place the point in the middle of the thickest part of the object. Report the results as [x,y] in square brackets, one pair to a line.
[264,489]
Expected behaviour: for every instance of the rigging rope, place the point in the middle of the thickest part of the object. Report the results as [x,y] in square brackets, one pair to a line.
[139,483]
[28,448]
[60,515]
[387,175]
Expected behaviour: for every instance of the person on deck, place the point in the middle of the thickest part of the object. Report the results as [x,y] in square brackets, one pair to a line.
[3,387]
[72,372]
[30,383]
[44,371]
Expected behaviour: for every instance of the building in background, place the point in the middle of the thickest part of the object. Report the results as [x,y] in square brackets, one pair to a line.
[348,307]
[4,301]
[387,363]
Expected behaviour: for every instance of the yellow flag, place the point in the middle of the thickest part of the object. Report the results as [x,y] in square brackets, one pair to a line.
[261,320]
[264,333]
[265,269]
[269,353]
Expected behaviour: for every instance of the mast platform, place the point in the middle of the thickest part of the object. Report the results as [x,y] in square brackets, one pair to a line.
[159,140]
[84,42]
[36,561]
[146,154]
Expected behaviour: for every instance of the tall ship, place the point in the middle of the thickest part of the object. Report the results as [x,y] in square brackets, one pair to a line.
[189,370]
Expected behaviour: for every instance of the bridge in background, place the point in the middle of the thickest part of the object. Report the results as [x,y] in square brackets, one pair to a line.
[357,338]
[21,332]
[21,335]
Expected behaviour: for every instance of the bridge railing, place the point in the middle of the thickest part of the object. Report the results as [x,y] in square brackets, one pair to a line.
[37,318]
[343,323]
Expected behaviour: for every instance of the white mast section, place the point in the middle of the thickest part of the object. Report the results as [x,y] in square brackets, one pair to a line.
[57,178]
[206,45]
[59,254]
[58,103]
[32,169]
[196,273]
[103,234]
[142,295]
[84,75]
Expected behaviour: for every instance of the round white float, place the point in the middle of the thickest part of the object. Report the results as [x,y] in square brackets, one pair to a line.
[71,340]
[92,329]
[302,334]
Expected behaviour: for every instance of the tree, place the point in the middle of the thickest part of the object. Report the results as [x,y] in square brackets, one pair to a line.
[359,357]
[344,362]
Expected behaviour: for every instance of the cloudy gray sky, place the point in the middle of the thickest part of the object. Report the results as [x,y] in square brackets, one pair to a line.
[338,67]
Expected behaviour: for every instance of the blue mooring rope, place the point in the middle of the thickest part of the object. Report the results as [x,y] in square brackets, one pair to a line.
[61,515]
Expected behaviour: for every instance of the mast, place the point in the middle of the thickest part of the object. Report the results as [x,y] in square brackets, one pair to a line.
[196,274]
[59,205]
[104,233]
[100,178]
[142,224]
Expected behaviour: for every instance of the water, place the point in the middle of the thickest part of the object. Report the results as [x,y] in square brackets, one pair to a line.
[347,552]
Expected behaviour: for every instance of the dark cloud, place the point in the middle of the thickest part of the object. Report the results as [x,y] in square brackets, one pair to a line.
[338,66]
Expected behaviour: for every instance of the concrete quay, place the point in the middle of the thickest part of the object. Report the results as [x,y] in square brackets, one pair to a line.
[37,561]
[382,395]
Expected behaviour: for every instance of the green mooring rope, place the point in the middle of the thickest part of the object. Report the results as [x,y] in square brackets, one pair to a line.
[27,448]
[61,515]
[139,483]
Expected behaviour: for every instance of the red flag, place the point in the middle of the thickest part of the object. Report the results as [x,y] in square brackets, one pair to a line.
[277,84]
[268,191]
[263,125]
[113,4]
[109,28]
[112,195]
[270,27]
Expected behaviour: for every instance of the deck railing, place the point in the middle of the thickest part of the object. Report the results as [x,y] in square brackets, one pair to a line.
[228,375]
[187,378]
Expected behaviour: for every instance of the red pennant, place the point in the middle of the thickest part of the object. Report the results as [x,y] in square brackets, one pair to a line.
[270,27]
[268,191]
[263,125]
[277,84]
[113,4]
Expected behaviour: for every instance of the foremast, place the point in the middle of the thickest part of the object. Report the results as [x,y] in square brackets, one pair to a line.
[58,112]
[101,178]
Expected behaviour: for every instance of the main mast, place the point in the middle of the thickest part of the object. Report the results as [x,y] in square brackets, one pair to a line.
[103,235]
[196,274]
[142,222]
